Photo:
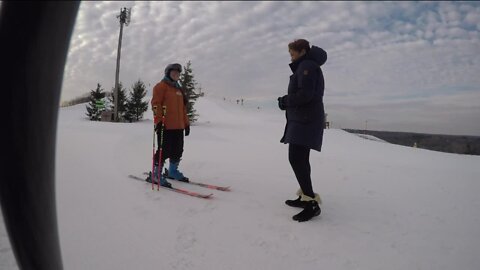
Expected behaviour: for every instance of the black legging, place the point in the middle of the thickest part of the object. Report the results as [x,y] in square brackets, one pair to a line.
[172,145]
[299,159]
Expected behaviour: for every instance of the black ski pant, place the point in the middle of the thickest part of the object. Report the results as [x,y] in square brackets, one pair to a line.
[172,145]
[299,157]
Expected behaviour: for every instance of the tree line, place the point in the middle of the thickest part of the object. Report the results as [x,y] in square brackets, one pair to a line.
[458,144]
[130,109]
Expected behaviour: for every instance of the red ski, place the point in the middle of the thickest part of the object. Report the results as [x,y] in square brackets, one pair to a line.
[210,186]
[178,190]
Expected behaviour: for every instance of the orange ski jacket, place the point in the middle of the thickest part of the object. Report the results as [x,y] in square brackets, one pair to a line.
[166,94]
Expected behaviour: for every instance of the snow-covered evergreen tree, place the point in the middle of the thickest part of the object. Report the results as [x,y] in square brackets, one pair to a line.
[94,108]
[122,101]
[135,106]
[189,85]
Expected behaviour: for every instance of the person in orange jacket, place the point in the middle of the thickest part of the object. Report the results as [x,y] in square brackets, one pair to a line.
[169,93]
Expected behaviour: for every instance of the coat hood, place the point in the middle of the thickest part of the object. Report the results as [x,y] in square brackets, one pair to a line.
[318,55]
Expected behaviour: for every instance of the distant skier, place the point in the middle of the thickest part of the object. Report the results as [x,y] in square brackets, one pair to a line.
[169,93]
[305,121]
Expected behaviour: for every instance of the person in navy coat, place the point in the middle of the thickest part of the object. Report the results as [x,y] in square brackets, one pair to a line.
[305,116]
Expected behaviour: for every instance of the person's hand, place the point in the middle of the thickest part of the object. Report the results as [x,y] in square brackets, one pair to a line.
[281,103]
[187,130]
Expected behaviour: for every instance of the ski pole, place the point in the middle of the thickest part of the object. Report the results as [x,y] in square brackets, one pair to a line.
[153,156]
[153,151]
[160,152]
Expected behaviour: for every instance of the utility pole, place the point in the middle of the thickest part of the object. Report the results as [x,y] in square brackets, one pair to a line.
[124,19]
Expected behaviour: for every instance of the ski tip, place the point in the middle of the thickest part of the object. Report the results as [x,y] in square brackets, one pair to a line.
[205,196]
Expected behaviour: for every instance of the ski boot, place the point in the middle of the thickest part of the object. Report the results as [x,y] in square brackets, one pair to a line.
[163,180]
[174,173]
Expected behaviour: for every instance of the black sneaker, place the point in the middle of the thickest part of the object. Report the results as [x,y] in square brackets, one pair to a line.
[296,203]
[311,210]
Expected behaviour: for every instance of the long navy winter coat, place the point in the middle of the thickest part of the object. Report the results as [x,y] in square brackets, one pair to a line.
[304,103]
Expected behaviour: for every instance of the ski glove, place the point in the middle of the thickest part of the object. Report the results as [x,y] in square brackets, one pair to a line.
[281,103]
[187,130]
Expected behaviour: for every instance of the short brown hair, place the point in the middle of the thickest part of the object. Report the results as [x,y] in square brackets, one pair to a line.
[299,44]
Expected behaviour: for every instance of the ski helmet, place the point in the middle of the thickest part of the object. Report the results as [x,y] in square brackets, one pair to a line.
[171,67]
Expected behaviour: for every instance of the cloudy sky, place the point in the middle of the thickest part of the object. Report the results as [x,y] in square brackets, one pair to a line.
[398,66]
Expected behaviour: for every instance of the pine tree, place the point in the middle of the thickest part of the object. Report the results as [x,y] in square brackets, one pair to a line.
[93,110]
[135,106]
[189,84]
[122,100]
